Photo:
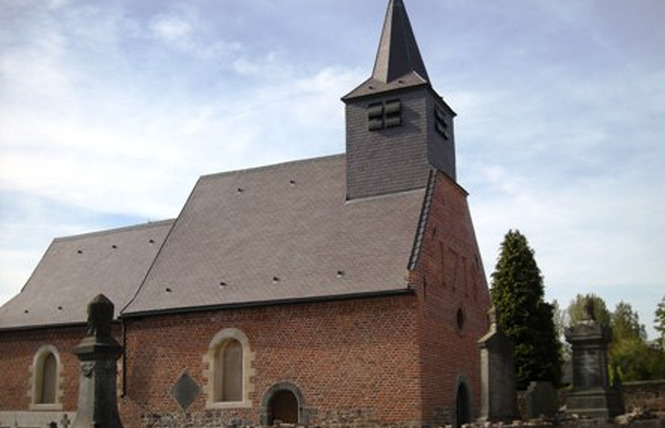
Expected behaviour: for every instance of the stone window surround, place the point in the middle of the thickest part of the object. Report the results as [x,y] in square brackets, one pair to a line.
[36,379]
[209,362]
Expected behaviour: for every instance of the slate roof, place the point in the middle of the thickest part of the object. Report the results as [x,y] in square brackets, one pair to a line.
[75,269]
[281,233]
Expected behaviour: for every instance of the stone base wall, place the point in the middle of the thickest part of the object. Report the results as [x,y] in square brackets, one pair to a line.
[345,418]
[28,419]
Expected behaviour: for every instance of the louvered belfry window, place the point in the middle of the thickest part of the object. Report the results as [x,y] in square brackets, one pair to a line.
[384,115]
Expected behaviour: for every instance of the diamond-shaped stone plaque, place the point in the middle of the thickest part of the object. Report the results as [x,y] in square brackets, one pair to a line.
[185,390]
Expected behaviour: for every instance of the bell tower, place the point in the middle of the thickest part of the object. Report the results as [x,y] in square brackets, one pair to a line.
[397,126]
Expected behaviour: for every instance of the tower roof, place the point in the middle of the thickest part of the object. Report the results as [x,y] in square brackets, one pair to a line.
[398,63]
[398,53]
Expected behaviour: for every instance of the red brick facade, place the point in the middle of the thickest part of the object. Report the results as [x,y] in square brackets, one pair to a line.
[451,283]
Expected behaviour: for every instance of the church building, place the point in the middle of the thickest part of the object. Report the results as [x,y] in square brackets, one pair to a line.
[335,291]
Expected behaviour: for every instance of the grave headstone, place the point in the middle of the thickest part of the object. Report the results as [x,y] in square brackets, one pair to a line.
[591,395]
[541,400]
[498,401]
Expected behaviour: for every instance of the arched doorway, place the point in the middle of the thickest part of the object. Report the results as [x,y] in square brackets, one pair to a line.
[462,407]
[283,402]
[283,406]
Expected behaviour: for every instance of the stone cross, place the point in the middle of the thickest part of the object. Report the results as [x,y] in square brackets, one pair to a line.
[65,422]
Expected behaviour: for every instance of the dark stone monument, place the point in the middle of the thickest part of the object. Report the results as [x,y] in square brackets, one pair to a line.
[591,395]
[541,400]
[498,400]
[98,353]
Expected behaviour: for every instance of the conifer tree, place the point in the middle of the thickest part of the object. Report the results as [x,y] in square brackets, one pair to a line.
[659,323]
[518,293]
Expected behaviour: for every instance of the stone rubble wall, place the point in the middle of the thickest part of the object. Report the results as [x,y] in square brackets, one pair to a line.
[646,394]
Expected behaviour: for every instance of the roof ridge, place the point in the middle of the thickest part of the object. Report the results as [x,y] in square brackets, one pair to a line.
[387,195]
[271,166]
[115,230]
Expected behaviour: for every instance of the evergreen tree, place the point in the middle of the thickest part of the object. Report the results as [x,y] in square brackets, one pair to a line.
[626,323]
[659,323]
[518,293]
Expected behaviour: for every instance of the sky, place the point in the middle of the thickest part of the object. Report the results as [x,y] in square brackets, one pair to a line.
[110,111]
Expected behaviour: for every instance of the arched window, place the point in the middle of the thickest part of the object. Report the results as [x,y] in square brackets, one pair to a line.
[229,380]
[229,370]
[46,392]
[45,379]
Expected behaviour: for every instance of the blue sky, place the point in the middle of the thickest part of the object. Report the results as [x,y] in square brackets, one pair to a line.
[109,112]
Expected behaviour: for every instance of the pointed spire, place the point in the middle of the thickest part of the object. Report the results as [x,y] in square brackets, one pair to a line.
[398,53]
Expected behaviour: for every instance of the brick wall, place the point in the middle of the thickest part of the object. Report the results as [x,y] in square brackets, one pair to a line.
[450,278]
[17,350]
[345,356]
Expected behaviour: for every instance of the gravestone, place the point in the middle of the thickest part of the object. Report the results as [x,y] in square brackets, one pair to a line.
[541,400]
[591,395]
[498,400]
[98,353]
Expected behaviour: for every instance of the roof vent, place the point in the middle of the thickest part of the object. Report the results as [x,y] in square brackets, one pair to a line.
[152,241]
[59,308]
[26,311]
[292,182]
[168,290]
[80,251]
[340,273]
[240,190]
[222,284]
[275,279]
[114,246]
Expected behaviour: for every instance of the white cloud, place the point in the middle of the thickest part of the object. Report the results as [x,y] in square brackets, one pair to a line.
[170,28]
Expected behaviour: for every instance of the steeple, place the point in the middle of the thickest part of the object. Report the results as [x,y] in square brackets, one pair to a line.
[398,53]
[398,129]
